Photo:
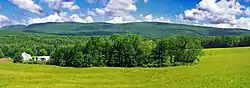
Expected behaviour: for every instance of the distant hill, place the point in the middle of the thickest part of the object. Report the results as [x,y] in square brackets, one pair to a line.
[14,27]
[146,29]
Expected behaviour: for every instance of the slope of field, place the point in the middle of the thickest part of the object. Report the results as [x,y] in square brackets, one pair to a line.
[147,29]
[219,68]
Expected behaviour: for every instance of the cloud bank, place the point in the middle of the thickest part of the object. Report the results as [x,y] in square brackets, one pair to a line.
[223,14]
[61,18]
[3,20]
[57,5]
[27,5]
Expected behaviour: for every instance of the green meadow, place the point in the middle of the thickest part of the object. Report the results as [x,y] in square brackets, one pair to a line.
[218,68]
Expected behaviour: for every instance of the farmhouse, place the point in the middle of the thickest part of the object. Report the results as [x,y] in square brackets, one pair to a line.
[43,58]
[27,57]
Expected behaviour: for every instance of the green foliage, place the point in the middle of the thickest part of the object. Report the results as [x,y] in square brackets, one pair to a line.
[95,49]
[43,52]
[30,51]
[34,62]
[1,54]
[181,49]
[17,57]
[225,41]
[123,51]
[130,50]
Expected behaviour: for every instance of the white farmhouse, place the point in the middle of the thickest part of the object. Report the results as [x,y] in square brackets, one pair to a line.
[43,58]
[26,56]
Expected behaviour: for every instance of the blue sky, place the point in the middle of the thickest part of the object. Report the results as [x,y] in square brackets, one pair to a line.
[215,13]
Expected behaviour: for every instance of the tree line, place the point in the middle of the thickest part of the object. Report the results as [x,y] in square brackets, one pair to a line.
[224,41]
[130,50]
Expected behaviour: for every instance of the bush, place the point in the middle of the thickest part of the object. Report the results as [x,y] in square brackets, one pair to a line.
[17,58]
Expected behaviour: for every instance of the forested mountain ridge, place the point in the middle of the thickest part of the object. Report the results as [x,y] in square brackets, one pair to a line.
[146,29]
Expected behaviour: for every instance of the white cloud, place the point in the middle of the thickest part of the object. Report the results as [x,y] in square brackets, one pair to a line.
[81,14]
[163,20]
[57,5]
[126,5]
[89,19]
[100,11]
[115,10]
[74,7]
[121,8]
[51,18]
[247,11]
[118,11]
[141,15]
[91,13]
[221,7]
[96,12]
[27,5]
[221,14]
[75,18]
[3,20]
[223,11]
[70,6]
[146,18]
[119,20]
[63,14]
[145,1]
[60,18]
[129,18]
[150,18]
[243,23]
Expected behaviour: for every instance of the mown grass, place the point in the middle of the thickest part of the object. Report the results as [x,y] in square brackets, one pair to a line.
[219,68]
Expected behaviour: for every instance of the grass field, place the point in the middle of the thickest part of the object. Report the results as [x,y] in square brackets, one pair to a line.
[219,68]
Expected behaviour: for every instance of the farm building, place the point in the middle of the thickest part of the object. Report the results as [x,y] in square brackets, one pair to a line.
[27,57]
[43,58]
